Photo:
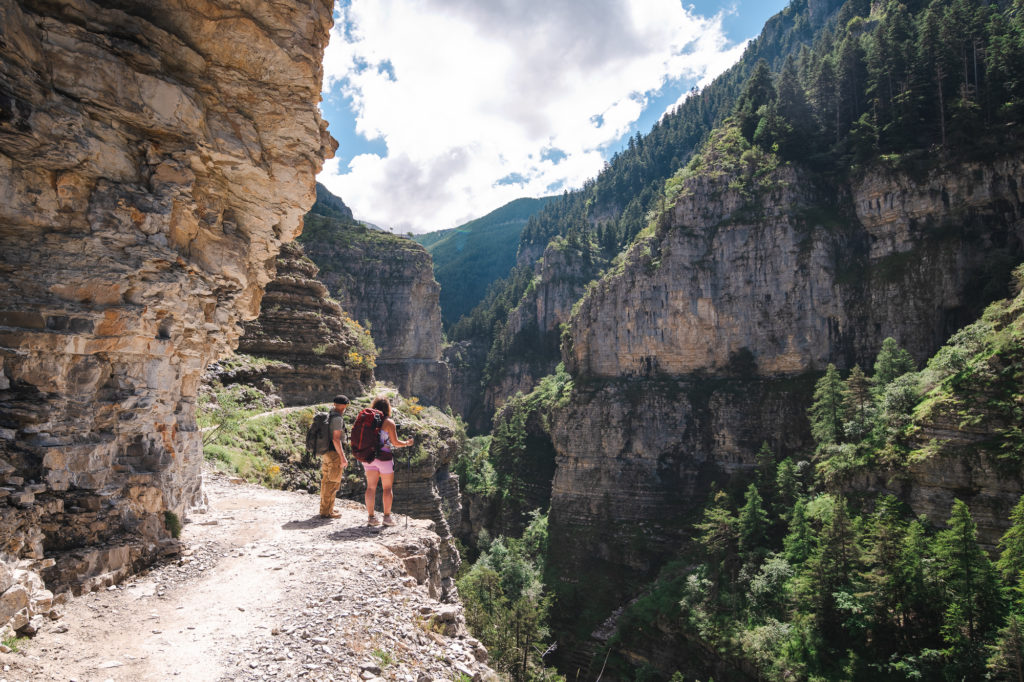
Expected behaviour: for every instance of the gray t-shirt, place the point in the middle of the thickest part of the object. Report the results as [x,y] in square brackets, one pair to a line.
[336,423]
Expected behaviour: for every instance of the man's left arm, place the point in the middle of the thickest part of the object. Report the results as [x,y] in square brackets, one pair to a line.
[338,447]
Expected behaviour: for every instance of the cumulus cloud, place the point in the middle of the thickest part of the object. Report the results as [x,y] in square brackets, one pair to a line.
[479,103]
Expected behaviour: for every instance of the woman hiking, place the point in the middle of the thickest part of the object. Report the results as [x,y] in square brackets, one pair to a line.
[383,467]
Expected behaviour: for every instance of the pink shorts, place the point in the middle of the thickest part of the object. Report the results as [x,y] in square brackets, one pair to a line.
[384,466]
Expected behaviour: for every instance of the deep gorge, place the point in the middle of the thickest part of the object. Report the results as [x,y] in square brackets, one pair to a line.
[660,345]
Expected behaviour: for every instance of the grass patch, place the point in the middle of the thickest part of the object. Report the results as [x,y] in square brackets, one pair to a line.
[267,449]
[386,658]
[173,524]
[14,642]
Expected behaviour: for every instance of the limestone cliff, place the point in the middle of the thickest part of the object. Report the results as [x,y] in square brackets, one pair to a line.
[794,280]
[154,160]
[387,284]
[528,346]
[320,350]
[705,340]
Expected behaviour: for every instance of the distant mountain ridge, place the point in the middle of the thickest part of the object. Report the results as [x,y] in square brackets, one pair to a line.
[469,258]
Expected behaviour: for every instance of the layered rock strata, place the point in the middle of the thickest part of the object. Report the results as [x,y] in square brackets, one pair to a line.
[797,281]
[154,159]
[318,349]
[712,332]
[386,283]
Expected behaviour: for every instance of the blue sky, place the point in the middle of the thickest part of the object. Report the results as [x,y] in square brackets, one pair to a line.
[447,109]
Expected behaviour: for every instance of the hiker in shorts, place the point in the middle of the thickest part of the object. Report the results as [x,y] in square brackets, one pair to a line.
[334,459]
[383,467]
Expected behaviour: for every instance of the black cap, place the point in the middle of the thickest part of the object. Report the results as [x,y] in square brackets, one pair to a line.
[341,400]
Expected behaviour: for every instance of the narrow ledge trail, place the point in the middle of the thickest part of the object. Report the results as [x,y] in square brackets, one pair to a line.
[265,590]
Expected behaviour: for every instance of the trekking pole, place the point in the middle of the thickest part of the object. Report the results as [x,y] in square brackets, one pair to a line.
[408,463]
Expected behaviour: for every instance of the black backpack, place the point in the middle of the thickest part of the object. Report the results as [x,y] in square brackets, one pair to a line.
[318,435]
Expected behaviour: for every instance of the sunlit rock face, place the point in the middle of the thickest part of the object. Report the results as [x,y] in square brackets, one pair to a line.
[796,276]
[153,159]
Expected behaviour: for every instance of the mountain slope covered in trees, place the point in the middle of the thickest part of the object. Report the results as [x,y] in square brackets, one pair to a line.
[613,208]
[468,258]
[858,587]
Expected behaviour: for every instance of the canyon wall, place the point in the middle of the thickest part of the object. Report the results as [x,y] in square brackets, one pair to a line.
[154,159]
[386,283]
[528,345]
[320,351]
[707,339]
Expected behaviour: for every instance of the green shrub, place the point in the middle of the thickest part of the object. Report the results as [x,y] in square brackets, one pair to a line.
[173,524]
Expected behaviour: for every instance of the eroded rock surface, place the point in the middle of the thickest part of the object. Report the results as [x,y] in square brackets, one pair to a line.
[530,340]
[317,347]
[154,158]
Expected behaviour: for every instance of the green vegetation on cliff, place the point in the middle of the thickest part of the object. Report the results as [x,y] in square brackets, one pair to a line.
[509,474]
[968,401]
[507,604]
[807,576]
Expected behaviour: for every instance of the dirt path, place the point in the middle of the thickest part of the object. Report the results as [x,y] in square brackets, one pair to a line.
[265,590]
[269,413]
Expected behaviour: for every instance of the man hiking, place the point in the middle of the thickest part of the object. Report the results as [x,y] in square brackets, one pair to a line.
[334,459]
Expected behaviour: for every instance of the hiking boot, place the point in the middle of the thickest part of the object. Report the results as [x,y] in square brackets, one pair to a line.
[388,521]
[373,521]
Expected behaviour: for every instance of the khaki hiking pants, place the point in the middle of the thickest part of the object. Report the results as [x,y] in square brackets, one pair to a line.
[330,481]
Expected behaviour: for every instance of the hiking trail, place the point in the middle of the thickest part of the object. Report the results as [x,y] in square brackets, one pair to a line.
[266,590]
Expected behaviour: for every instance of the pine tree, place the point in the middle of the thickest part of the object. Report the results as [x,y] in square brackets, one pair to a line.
[823,97]
[892,362]
[752,523]
[889,592]
[799,542]
[889,57]
[830,569]
[758,92]
[933,62]
[920,611]
[857,405]
[787,487]
[765,469]
[1011,547]
[851,80]
[1006,661]
[791,106]
[719,534]
[973,601]
[826,413]
[1005,63]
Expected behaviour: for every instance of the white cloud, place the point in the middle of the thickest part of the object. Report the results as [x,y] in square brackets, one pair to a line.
[465,93]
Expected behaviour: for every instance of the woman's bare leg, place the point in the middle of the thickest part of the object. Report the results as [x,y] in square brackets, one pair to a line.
[372,475]
[387,480]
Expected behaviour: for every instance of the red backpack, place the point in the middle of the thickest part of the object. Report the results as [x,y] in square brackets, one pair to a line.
[366,435]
